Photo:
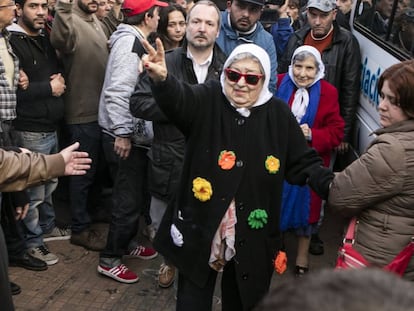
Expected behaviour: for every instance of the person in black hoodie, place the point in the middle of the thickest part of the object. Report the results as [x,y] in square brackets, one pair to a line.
[39,109]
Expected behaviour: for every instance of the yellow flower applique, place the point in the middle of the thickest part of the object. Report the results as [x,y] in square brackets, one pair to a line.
[202,189]
[272,164]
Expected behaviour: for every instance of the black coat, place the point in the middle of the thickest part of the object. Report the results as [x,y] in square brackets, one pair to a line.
[342,60]
[37,109]
[211,125]
[167,150]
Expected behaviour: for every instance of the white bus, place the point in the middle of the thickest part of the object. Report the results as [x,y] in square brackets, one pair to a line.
[385,32]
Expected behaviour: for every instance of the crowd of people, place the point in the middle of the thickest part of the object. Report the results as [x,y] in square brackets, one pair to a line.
[217,127]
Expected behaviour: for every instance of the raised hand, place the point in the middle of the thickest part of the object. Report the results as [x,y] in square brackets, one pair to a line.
[154,61]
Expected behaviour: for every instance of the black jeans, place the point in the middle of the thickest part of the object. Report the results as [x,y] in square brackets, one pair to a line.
[6,300]
[129,196]
[12,229]
[89,137]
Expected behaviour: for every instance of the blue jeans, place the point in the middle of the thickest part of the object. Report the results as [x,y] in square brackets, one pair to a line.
[129,196]
[89,137]
[40,218]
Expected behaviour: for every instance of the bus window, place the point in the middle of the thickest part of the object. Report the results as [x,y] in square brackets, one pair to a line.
[403,31]
[385,33]
[390,21]
[374,14]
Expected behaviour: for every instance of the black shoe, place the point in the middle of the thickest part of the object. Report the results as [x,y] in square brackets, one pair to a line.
[89,239]
[316,245]
[28,262]
[15,289]
[301,271]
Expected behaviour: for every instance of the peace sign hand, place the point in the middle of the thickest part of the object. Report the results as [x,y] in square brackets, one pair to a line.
[154,61]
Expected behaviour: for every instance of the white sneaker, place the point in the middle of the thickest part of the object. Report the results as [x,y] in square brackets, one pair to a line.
[41,252]
[57,234]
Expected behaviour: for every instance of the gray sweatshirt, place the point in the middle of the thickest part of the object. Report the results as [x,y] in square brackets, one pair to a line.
[121,76]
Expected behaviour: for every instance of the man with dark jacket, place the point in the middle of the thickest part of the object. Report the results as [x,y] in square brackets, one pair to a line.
[342,58]
[82,41]
[39,109]
[199,60]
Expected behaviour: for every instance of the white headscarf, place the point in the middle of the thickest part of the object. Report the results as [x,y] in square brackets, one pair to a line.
[264,59]
[301,99]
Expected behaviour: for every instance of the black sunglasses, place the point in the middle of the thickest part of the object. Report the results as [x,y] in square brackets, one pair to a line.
[235,76]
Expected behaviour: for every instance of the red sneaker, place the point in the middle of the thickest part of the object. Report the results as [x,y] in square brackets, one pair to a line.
[120,273]
[142,252]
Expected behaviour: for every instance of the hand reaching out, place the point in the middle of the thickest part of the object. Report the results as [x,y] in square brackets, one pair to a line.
[76,162]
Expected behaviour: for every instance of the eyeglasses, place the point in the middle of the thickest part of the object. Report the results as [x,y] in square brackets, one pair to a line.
[12,3]
[235,76]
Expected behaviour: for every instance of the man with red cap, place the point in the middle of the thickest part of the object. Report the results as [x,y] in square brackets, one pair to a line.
[126,140]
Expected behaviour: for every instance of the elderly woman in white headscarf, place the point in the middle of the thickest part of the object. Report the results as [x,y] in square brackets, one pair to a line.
[314,103]
[242,143]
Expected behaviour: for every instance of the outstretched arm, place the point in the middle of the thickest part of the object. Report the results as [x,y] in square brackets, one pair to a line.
[22,170]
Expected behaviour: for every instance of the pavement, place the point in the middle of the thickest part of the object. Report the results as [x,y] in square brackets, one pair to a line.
[73,284]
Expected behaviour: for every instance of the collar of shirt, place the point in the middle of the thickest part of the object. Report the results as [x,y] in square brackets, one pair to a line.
[200,70]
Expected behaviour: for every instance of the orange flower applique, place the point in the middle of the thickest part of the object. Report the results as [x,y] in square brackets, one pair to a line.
[272,164]
[226,159]
[280,262]
[202,189]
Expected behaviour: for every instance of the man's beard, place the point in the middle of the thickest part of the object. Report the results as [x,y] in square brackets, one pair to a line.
[85,7]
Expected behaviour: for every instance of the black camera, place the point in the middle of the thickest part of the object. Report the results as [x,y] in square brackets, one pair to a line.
[269,16]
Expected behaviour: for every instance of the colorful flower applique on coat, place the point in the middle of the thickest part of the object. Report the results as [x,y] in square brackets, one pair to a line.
[202,189]
[257,219]
[280,262]
[226,159]
[272,164]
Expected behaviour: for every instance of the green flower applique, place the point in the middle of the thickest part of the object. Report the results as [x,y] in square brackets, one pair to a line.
[257,219]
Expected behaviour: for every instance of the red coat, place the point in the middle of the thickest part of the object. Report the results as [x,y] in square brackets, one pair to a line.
[327,133]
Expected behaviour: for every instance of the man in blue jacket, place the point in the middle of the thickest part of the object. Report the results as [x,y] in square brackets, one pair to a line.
[240,24]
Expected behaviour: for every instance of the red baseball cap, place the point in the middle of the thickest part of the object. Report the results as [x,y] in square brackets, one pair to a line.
[135,7]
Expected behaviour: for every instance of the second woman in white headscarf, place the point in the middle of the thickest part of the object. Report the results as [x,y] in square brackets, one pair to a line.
[314,103]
